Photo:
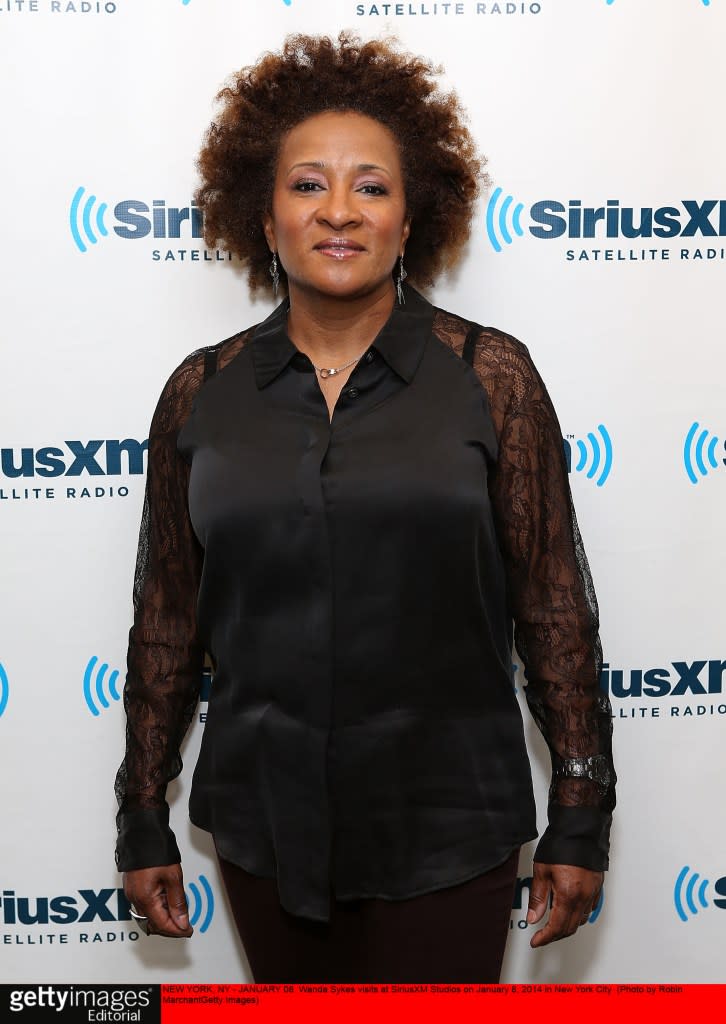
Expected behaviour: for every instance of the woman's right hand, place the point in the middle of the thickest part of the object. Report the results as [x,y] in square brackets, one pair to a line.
[158,893]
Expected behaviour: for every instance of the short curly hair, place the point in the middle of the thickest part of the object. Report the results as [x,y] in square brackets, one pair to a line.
[312,74]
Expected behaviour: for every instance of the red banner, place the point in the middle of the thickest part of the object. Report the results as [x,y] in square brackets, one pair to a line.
[220,1003]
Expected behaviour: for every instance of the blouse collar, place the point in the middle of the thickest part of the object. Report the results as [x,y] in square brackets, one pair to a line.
[400,341]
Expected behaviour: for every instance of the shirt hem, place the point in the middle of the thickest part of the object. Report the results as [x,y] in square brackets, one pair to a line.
[348,895]
[449,883]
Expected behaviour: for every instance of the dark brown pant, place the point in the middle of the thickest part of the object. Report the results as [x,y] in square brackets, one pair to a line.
[452,935]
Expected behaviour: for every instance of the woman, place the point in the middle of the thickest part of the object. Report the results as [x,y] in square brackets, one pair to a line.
[346,506]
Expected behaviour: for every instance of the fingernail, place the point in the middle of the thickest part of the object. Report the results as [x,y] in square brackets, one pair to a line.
[183,921]
[530,917]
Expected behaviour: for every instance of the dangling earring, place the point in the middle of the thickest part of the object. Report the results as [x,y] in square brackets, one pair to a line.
[402,275]
[274,274]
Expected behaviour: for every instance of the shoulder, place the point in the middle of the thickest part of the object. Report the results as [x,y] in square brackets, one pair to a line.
[502,363]
[187,379]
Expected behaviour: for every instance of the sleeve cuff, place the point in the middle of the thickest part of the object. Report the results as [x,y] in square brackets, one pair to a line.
[145,840]
[576,835]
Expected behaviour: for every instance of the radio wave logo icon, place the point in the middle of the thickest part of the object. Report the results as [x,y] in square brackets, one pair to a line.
[499,218]
[693,450]
[690,890]
[597,909]
[200,900]
[4,690]
[94,690]
[596,462]
[80,219]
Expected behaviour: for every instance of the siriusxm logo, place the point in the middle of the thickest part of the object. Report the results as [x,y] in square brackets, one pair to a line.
[85,906]
[96,458]
[4,690]
[688,889]
[700,448]
[595,461]
[518,902]
[681,678]
[549,219]
[97,688]
[133,219]
[89,905]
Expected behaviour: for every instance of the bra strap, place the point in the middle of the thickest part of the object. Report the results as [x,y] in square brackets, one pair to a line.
[470,343]
[210,362]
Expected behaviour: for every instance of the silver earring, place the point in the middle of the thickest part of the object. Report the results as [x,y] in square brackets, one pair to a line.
[402,275]
[274,274]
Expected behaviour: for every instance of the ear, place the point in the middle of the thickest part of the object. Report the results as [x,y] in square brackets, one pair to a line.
[269,230]
[406,231]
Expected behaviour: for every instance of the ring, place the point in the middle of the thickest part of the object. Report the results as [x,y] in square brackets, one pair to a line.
[141,919]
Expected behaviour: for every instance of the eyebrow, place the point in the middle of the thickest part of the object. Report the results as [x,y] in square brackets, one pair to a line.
[321,166]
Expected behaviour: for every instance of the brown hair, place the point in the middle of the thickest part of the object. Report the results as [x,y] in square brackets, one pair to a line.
[312,74]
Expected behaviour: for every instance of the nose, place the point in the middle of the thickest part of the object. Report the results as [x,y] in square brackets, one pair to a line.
[338,208]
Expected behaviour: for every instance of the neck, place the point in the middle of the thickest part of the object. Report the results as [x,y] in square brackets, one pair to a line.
[331,331]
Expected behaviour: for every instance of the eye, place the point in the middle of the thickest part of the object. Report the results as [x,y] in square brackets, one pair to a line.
[373,190]
[306,186]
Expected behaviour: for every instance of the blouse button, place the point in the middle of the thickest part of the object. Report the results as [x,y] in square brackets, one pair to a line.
[369,357]
[352,392]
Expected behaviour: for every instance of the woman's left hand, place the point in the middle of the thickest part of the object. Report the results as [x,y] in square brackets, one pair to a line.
[575,892]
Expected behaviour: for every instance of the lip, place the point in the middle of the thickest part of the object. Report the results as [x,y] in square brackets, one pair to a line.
[339,248]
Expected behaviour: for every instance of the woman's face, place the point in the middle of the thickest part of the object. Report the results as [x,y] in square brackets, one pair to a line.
[338,220]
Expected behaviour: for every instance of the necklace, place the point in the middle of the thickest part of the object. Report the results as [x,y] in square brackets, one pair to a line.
[330,371]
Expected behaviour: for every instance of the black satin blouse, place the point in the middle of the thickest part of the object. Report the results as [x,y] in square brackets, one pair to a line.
[354,583]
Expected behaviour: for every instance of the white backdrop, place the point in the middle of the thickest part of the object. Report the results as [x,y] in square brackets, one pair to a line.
[581,103]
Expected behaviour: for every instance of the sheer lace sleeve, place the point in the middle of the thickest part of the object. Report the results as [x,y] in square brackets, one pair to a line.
[164,654]
[553,603]
[551,598]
